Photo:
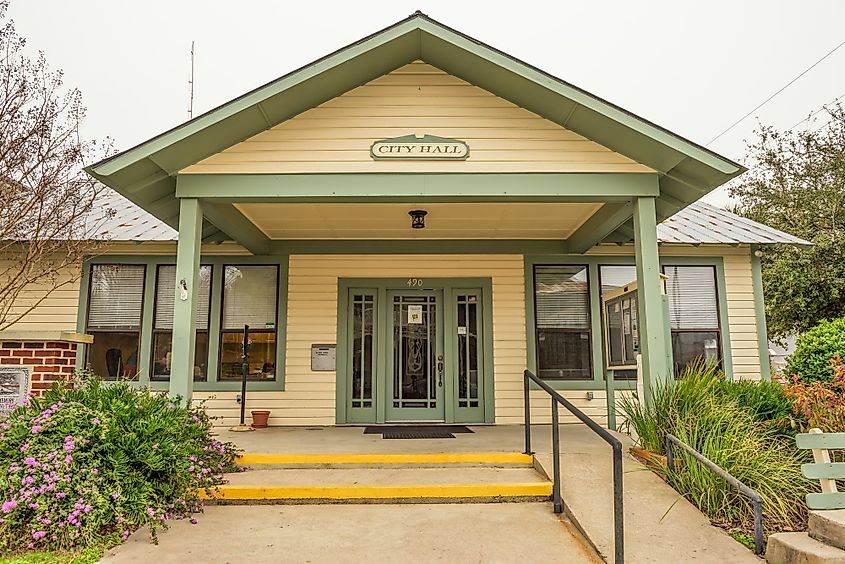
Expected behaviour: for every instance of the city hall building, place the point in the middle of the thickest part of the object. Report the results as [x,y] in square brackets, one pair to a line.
[405,226]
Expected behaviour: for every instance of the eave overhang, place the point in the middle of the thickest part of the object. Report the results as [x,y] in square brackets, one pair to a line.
[146,174]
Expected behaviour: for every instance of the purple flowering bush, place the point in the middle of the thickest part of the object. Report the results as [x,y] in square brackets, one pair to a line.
[91,463]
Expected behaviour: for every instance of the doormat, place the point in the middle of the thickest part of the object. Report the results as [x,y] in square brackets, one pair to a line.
[417,431]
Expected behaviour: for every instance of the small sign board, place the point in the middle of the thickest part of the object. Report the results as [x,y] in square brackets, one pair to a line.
[413,148]
[415,315]
[14,386]
[323,358]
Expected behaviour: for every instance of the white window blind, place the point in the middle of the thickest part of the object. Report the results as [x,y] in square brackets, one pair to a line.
[249,297]
[692,297]
[166,295]
[562,297]
[117,295]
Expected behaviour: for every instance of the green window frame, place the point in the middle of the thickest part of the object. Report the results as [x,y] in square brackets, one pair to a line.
[117,363]
[598,381]
[256,333]
[217,262]
[167,332]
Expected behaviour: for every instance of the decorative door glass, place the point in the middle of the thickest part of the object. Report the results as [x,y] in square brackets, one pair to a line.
[415,352]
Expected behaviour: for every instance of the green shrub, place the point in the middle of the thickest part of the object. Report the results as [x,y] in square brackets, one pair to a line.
[88,465]
[730,424]
[766,402]
[815,349]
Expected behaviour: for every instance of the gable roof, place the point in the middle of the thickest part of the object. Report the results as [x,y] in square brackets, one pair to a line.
[696,224]
[145,174]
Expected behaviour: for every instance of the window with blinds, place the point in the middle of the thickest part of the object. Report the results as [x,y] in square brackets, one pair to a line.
[562,319]
[249,298]
[117,296]
[692,297]
[693,314]
[166,297]
[115,303]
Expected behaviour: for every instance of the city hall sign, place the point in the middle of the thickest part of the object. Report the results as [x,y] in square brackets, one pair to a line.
[413,148]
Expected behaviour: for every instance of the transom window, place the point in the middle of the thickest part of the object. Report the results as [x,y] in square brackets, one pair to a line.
[562,314]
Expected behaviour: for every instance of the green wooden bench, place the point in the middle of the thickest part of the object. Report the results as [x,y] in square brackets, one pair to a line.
[823,470]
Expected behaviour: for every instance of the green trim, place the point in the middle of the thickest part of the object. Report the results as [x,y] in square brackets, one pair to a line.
[418,187]
[760,316]
[599,226]
[594,262]
[237,227]
[184,334]
[380,286]
[217,262]
[650,316]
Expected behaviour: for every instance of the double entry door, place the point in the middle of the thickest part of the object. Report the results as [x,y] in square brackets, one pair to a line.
[415,355]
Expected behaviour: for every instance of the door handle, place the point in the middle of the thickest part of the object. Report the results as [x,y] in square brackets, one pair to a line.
[440,371]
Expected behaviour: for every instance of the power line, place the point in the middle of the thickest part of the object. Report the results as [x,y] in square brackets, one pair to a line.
[823,108]
[767,100]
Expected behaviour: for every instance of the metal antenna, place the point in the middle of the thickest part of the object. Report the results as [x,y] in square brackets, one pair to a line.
[191,82]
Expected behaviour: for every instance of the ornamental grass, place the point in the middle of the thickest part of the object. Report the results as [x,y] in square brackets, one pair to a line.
[746,428]
[89,463]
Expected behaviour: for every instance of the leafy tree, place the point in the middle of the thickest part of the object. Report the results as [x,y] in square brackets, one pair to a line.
[47,215]
[796,183]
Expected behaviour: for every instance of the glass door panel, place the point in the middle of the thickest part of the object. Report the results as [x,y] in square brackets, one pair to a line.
[469,403]
[415,375]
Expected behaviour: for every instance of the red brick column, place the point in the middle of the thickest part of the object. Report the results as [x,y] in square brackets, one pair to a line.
[48,361]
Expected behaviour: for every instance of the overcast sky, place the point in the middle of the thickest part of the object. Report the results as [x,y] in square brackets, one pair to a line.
[692,67]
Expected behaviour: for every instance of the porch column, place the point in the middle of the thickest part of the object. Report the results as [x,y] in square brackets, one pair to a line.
[652,320]
[185,304]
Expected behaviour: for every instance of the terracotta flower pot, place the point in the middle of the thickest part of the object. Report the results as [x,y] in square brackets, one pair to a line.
[259,419]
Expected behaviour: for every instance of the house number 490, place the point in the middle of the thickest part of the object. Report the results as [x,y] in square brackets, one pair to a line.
[414,282]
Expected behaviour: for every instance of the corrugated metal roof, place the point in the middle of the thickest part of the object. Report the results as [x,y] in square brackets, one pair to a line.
[699,223]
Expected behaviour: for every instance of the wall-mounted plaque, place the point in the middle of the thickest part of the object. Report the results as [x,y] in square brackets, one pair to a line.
[323,358]
[14,386]
[413,148]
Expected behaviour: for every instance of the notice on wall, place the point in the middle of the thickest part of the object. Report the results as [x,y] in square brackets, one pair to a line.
[415,315]
[323,358]
[462,330]
[14,385]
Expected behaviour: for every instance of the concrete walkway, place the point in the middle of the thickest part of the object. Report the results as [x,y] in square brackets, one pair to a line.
[660,526]
[467,533]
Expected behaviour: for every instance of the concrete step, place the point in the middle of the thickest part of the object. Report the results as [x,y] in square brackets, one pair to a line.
[799,548]
[385,485]
[410,460]
[828,527]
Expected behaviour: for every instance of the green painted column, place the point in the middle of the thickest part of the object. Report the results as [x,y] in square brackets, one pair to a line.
[185,305]
[652,319]
[760,314]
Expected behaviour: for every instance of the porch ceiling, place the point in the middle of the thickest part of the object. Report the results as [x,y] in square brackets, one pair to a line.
[380,221]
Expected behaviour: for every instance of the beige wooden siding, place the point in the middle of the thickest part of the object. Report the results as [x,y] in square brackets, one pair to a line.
[56,311]
[742,320]
[416,99]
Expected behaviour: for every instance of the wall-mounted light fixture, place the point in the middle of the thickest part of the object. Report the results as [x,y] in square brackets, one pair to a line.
[418,218]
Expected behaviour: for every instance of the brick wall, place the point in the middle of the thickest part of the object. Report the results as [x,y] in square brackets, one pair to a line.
[48,361]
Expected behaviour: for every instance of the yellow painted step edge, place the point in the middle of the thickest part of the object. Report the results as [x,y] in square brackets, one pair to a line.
[509,489]
[390,458]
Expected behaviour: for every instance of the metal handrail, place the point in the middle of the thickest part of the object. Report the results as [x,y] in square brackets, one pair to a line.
[756,498]
[607,436]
